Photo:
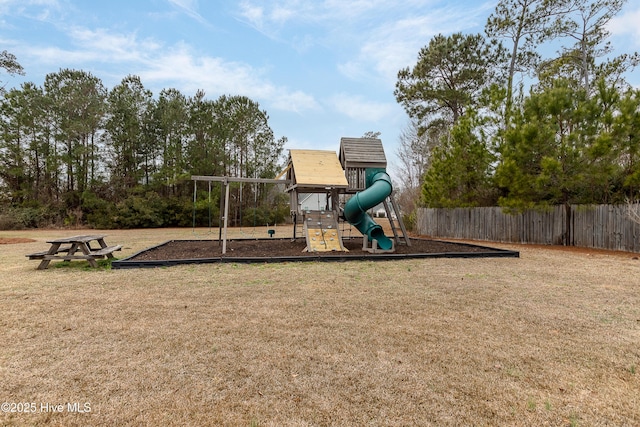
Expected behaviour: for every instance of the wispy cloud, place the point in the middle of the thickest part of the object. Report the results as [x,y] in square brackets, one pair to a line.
[358,108]
[177,65]
[190,7]
[109,46]
[41,10]
[627,24]
[273,18]
[188,71]
[296,101]
[379,36]
[394,44]
[387,49]
[269,19]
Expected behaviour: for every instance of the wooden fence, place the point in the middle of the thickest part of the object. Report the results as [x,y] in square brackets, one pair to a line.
[591,226]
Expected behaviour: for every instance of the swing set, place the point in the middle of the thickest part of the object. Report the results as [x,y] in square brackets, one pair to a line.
[224,202]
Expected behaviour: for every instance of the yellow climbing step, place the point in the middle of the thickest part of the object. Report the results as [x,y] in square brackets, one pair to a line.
[322,232]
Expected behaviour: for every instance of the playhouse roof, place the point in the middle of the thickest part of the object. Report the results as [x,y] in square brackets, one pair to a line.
[362,153]
[315,169]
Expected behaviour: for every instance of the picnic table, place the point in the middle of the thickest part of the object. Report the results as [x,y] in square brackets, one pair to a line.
[75,247]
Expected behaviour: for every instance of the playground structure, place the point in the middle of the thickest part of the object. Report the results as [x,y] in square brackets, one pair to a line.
[353,182]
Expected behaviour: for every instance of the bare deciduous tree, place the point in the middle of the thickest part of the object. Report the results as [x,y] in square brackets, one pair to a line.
[414,152]
[633,211]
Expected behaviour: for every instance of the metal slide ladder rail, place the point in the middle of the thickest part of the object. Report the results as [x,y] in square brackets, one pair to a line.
[395,220]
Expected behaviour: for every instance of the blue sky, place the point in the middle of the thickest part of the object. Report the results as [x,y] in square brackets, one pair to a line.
[322,69]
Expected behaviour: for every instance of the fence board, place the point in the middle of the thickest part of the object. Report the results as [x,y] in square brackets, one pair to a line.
[591,226]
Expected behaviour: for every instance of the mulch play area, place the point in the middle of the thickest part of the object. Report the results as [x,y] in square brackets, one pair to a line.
[176,252]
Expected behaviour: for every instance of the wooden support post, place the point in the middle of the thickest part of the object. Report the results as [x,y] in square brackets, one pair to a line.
[221,211]
[226,215]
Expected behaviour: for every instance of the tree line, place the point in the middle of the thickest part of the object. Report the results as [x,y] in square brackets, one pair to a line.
[495,119]
[73,152]
[496,122]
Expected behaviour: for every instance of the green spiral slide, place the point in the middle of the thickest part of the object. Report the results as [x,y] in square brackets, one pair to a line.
[378,188]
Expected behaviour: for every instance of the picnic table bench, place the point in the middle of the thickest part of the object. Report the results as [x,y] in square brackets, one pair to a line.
[75,247]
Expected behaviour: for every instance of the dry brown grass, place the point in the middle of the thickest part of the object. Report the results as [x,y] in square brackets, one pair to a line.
[551,338]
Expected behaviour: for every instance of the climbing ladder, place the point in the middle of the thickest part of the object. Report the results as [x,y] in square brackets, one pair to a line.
[395,220]
[322,232]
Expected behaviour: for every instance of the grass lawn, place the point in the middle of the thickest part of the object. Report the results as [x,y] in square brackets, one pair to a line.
[550,338]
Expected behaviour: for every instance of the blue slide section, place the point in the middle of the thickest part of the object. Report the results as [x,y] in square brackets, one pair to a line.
[355,210]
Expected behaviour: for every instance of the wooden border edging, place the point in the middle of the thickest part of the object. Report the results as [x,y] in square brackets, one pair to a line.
[130,261]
